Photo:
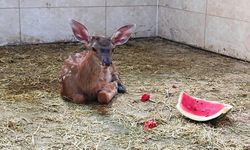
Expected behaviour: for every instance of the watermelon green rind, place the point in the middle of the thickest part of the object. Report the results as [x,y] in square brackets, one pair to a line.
[221,112]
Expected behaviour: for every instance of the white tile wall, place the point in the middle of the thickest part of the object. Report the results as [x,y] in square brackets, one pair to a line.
[143,17]
[9,4]
[221,26]
[43,21]
[61,3]
[189,5]
[53,24]
[218,25]
[228,37]
[131,2]
[182,26]
[9,26]
[235,9]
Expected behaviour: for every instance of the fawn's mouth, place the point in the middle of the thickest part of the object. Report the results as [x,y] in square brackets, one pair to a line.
[106,64]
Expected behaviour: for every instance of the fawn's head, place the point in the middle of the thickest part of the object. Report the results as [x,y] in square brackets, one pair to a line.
[102,46]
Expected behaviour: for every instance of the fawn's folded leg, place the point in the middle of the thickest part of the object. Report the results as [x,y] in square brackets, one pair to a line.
[107,93]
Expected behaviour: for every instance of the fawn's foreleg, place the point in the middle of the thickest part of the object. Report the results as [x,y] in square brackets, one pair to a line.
[115,77]
[107,93]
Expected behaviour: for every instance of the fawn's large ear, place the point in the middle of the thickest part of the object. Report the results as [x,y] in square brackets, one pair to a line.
[80,31]
[123,34]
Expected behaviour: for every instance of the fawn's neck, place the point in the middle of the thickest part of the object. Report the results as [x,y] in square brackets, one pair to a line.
[90,68]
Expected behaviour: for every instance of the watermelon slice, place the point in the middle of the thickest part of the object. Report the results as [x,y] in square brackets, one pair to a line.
[200,109]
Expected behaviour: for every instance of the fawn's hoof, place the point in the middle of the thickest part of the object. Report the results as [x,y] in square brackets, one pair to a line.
[121,88]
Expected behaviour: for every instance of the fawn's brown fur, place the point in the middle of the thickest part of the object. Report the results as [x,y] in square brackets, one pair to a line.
[90,75]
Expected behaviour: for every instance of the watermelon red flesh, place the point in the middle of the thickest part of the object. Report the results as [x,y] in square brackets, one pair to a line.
[199,107]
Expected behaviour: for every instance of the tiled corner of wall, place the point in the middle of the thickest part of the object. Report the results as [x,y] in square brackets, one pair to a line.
[220,26]
[228,28]
[181,21]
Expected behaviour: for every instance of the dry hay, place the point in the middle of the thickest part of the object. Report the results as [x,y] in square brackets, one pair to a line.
[33,116]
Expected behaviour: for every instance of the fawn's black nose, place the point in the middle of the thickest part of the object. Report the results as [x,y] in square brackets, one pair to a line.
[106,62]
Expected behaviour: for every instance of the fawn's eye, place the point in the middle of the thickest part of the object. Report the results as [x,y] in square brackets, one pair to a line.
[94,49]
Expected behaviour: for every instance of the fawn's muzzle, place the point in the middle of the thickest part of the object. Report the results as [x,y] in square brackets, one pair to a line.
[106,57]
[106,61]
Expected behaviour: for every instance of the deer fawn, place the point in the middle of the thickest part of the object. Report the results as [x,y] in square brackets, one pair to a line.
[90,75]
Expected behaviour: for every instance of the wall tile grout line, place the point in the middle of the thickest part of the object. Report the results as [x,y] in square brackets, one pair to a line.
[86,6]
[157,19]
[205,28]
[134,6]
[20,26]
[10,8]
[105,18]
[235,19]
[182,9]
[42,7]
